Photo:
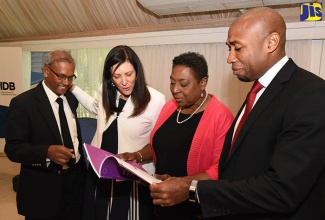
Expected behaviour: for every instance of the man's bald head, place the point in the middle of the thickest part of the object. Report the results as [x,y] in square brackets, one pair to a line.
[264,21]
[256,42]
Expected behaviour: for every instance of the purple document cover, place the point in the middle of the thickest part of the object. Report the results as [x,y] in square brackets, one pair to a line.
[109,166]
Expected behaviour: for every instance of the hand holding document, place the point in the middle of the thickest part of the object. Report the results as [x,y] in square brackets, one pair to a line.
[109,166]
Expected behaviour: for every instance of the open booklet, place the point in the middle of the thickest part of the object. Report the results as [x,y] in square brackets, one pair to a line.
[109,166]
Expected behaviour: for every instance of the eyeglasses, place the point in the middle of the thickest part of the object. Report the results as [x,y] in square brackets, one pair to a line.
[63,77]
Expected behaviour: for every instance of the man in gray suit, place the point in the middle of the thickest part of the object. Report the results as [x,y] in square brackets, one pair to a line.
[274,169]
[52,173]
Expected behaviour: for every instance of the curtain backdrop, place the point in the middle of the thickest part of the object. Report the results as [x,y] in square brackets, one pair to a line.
[157,62]
[89,71]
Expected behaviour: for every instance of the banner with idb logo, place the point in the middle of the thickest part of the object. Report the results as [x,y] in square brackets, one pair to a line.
[11,83]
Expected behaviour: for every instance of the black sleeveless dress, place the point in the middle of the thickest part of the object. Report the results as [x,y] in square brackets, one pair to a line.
[110,199]
[172,143]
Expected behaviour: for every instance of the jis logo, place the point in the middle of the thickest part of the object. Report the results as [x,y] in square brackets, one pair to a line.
[310,11]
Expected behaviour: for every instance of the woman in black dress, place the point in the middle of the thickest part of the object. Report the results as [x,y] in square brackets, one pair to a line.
[127,110]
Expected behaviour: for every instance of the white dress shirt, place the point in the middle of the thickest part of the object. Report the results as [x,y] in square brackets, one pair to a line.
[70,117]
[265,80]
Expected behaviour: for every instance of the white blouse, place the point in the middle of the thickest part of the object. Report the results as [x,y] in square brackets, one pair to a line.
[133,132]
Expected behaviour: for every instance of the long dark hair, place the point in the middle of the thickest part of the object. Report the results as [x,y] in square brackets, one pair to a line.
[140,95]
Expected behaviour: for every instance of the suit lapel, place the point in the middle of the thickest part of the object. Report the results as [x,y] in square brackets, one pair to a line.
[268,95]
[46,110]
[73,106]
[70,99]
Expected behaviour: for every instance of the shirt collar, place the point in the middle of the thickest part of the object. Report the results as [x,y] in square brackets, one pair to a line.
[266,79]
[50,94]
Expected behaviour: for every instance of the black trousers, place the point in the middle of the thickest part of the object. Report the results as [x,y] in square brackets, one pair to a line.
[72,195]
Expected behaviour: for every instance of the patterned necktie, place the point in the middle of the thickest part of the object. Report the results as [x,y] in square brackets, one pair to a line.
[249,104]
[65,132]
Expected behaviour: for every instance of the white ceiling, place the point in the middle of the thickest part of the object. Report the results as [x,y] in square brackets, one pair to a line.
[27,20]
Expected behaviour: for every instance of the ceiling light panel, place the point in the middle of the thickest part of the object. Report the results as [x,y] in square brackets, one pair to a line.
[281,2]
[165,7]
[243,4]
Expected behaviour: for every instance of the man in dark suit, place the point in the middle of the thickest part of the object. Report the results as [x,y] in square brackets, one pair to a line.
[52,177]
[274,169]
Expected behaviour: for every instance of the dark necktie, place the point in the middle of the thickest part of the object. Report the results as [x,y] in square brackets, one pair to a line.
[249,104]
[65,132]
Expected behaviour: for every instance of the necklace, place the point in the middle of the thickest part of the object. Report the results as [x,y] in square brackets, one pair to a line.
[180,122]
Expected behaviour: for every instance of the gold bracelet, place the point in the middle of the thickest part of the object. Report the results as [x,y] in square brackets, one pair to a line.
[140,157]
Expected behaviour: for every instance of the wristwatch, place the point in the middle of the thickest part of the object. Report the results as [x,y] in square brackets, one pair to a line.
[192,191]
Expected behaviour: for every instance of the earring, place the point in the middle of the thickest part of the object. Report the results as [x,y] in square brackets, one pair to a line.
[201,94]
[113,84]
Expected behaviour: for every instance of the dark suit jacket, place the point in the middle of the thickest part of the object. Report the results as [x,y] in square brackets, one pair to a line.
[276,167]
[30,129]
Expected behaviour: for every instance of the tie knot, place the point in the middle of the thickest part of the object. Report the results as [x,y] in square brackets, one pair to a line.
[257,86]
[59,100]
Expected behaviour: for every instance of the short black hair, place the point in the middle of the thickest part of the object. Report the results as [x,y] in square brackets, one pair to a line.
[195,61]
